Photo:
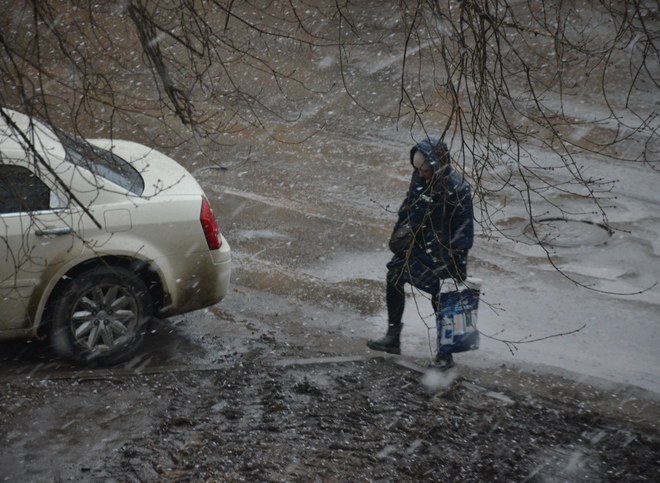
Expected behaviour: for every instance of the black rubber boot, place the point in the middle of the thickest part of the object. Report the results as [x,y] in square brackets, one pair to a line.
[390,343]
[443,362]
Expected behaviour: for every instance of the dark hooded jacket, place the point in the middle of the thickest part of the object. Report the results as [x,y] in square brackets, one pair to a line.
[439,213]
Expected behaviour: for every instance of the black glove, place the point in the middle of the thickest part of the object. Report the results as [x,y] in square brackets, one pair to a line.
[401,239]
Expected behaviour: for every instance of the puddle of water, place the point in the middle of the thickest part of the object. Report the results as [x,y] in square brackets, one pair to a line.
[351,266]
[566,233]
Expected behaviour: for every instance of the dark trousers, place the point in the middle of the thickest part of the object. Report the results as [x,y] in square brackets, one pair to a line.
[395,297]
[398,276]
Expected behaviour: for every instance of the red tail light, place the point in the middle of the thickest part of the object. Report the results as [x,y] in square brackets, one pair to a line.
[210,226]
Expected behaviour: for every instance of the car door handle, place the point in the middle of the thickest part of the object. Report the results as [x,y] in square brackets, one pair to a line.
[63,230]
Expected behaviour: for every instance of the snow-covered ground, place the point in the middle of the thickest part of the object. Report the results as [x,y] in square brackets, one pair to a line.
[354,168]
[525,298]
[323,210]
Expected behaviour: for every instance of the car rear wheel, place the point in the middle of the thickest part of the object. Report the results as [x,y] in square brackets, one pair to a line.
[101,316]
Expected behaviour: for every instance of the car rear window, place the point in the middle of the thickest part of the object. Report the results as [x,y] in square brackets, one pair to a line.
[101,162]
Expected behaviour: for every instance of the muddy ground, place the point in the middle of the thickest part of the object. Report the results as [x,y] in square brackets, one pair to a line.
[255,404]
[275,383]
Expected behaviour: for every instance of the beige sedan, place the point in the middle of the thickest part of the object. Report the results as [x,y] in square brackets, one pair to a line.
[96,237]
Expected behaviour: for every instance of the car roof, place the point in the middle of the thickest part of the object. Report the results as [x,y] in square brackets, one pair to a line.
[159,174]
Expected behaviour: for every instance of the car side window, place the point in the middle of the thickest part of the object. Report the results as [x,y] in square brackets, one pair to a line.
[21,190]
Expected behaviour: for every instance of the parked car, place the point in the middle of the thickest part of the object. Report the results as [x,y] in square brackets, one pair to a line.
[97,236]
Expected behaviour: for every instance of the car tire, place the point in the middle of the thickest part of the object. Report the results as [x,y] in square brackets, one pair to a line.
[101,316]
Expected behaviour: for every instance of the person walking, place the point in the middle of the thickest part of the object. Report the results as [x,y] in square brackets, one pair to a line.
[430,240]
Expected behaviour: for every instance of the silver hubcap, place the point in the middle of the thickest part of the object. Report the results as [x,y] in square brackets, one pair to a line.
[104,317]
